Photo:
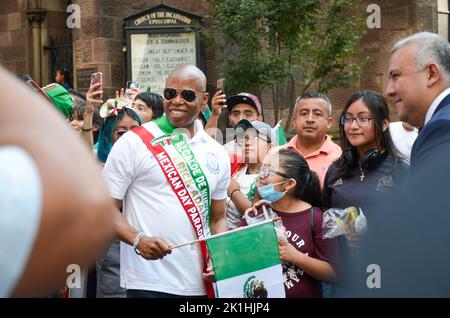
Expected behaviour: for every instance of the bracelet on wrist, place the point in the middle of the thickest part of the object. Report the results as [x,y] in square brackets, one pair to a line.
[232,192]
[86,129]
[136,243]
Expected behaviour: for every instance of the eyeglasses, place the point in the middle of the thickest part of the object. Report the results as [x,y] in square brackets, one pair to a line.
[264,173]
[361,121]
[187,94]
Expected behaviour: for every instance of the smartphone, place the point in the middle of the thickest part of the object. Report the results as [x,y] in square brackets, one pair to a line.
[221,85]
[97,78]
[130,85]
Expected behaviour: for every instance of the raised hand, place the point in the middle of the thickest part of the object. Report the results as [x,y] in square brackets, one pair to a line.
[218,103]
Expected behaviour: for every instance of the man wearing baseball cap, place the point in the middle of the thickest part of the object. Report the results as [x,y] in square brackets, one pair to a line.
[242,106]
[60,98]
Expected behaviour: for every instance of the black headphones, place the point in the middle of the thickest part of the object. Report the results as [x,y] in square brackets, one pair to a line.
[371,159]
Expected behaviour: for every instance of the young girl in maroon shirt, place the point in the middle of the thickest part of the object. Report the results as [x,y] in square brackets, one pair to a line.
[293,191]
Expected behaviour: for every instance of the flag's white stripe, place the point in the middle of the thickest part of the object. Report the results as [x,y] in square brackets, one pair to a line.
[272,277]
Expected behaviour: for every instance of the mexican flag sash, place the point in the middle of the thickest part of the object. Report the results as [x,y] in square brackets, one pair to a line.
[186,178]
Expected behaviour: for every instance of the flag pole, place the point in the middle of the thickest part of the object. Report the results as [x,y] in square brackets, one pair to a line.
[278,124]
[225,233]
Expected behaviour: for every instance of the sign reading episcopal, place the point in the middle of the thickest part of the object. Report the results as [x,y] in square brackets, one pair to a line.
[162,17]
[159,40]
[154,56]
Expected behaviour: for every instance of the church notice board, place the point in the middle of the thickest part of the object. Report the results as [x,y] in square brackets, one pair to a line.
[158,40]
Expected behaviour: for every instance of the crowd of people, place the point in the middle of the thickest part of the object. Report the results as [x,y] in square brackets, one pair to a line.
[160,178]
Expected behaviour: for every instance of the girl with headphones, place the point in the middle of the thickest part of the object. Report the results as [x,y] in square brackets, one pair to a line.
[370,164]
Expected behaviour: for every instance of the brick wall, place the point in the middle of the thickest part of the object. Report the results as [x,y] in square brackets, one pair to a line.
[399,19]
[13,36]
[100,41]
[16,37]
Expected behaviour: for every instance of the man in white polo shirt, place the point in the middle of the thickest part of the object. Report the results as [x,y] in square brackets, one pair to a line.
[173,191]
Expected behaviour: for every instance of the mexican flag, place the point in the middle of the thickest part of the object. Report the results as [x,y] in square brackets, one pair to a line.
[279,134]
[246,262]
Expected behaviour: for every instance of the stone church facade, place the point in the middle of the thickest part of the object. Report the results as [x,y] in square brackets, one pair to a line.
[35,39]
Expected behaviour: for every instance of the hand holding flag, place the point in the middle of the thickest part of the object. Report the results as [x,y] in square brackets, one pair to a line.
[209,274]
[153,248]
[288,253]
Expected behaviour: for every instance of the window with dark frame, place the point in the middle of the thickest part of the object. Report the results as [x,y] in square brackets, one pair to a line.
[443,18]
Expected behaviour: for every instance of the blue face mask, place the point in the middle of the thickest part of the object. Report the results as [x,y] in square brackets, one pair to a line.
[269,193]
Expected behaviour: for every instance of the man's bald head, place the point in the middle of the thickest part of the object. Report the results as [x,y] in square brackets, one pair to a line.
[184,96]
[192,72]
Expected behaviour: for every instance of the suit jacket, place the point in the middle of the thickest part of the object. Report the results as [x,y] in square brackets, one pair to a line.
[409,233]
[434,137]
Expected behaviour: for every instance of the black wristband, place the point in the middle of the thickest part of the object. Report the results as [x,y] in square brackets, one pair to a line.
[86,129]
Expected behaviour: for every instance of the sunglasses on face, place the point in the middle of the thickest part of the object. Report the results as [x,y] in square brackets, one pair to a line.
[187,94]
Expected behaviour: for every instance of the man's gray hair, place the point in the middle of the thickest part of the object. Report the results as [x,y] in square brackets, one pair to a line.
[315,95]
[432,48]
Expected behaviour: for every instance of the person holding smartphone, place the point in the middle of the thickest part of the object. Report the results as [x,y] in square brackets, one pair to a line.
[218,103]
[129,93]
[93,99]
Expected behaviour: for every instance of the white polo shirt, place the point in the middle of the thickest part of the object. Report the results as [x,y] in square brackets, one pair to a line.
[150,205]
[402,138]
[20,213]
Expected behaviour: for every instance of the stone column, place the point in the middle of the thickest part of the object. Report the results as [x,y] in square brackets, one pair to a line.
[36,16]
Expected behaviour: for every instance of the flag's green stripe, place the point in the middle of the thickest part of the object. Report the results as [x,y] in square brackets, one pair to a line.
[281,137]
[245,251]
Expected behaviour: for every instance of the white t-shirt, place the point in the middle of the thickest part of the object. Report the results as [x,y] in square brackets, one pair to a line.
[234,218]
[403,139]
[20,213]
[150,205]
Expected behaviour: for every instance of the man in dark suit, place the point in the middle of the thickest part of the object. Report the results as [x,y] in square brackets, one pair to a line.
[406,252]
[419,80]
